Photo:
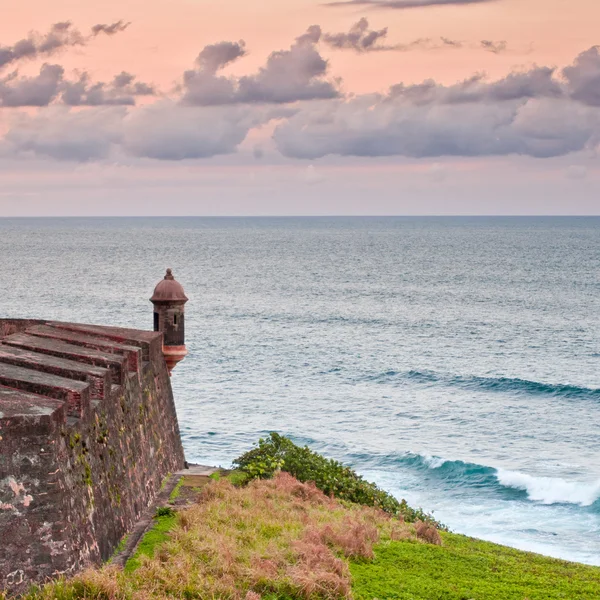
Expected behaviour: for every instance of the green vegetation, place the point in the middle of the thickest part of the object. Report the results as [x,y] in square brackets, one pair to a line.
[176,491]
[278,538]
[164,511]
[120,547]
[331,477]
[153,538]
[465,568]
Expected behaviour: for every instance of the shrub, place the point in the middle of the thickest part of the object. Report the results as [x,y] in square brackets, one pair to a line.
[332,477]
[428,533]
[164,511]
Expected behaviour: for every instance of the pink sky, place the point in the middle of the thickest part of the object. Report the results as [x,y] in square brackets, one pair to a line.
[165,37]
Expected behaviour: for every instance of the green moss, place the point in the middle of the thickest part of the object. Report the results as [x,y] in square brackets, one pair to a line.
[120,547]
[176,491]
[468,569]
[156,536]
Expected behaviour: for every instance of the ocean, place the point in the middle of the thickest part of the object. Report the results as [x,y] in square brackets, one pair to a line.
[454,361]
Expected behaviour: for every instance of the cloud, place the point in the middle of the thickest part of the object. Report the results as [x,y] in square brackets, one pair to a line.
[215,57]
[288,76]
[583,77]
[170,131]
[110,29]
[39,90]
[494,47]
[121,91]
[59,36]
[361,38]
[50,84]
[62,134]
[535,83]
[405,4]
[527,113]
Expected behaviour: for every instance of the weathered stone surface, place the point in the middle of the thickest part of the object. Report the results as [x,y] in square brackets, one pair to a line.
[73,482]
[113,361]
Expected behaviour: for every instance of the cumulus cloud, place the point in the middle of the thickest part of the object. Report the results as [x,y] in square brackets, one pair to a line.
[527,112]
[121,91]
[583,77]
[535,83]
[50,84]
[359,38]
[170,131]
[405,4]
[63,134]
[61,35]
[39,90]
[288,76]
[537,127]
[215,57]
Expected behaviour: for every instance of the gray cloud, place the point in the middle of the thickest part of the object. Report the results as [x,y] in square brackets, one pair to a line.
[377,127]
[168,131]
[121,91]
[494,47]
[215,57]
[288,76]
[531,113]
[59,36]
[361,38]
[405,4]
[62,134]
[110,29]
[39,90]
[50,84]
[583,77]
[535,83]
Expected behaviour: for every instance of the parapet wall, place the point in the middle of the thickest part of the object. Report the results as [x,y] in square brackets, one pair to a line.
[88,433]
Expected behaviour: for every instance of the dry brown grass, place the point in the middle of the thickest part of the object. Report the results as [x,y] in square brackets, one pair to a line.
[275,537]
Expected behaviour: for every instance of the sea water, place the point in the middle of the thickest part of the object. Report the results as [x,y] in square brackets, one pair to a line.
[454,361]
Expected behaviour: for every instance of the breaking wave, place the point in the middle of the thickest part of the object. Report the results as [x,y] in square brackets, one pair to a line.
[543,490]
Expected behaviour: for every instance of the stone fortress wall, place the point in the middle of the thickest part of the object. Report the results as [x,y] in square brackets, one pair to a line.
[88,434]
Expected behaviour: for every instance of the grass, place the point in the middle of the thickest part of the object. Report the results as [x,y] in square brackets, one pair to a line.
[152,539]
[468,569]
[281,539]
[176,491]
[272,539]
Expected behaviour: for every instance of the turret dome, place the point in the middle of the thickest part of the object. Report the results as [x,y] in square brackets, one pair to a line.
[169,290]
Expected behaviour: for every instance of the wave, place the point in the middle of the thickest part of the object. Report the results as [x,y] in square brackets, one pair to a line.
[551,490]
[496,384]
[543,490]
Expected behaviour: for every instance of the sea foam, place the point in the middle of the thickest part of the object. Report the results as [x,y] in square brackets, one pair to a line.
[551,490]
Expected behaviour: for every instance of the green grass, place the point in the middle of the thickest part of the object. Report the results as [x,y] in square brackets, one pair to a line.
[120,547]
[469,569]
[153,538]
[176,491]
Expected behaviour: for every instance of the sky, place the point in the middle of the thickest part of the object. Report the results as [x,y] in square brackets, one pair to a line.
[303,107]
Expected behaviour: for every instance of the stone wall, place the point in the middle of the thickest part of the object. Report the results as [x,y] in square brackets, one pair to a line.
[88,433]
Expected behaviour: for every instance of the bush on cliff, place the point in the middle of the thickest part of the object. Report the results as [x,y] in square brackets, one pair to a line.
[332,477]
